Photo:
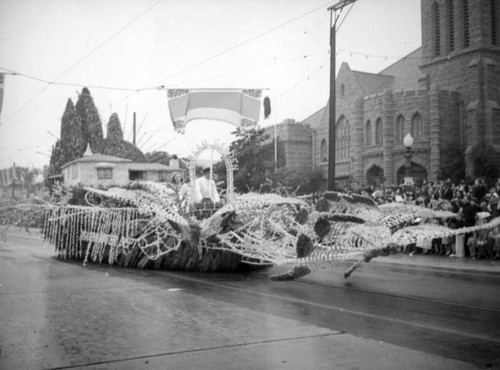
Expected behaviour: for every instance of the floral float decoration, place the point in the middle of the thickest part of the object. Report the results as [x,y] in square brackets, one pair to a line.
[255,229]
[146,226]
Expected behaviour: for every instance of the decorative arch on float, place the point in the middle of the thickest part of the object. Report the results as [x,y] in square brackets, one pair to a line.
[228,158]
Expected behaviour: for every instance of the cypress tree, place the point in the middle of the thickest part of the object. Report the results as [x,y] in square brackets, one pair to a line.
[72,141]
[90,121]
[56,159]
[114,133]
[115,145]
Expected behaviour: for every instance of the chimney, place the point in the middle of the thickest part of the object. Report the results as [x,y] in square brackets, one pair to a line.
[174,163]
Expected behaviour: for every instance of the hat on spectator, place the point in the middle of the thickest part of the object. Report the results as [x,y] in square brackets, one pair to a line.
[481,217]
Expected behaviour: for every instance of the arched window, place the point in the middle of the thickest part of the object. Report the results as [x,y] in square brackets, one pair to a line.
[416,127]
[343,138]
[466,23]
[342,90]
[378,132]
[437,29]
[323,151]
[368,134]
[400,129]
[451,24]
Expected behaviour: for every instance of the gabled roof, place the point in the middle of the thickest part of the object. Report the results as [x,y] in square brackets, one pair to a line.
[314,119]
[406,71]
[371,83]
[97,158]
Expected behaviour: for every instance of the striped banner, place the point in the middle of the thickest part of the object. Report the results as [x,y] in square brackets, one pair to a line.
[238,107]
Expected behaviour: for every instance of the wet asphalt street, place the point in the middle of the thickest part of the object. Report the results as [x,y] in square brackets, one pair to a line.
[402,313]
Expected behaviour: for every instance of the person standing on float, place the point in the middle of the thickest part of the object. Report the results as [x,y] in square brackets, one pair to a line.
[205,188]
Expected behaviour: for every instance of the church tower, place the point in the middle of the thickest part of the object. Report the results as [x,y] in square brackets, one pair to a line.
[461,53]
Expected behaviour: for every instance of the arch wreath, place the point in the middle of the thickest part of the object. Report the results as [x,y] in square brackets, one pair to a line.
[229,160]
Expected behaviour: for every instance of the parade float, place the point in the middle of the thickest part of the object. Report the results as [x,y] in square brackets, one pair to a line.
[148,225]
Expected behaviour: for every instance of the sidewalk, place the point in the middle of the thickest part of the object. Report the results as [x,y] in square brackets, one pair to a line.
[463,264]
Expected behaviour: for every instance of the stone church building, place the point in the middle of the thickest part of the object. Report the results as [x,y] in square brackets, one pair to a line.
[446,94]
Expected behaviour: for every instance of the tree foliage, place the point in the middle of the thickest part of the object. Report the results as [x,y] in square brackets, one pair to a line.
[161,157]
[56,159]
[29,176]
[115,145]
[453,165]
[81,126]
[90,121]
[72,141]
[114,132]
[485,162]
[255,160]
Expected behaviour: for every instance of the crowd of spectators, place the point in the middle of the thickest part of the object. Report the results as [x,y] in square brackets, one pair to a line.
[474,204]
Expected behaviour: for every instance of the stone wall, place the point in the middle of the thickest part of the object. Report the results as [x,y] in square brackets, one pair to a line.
[296,141]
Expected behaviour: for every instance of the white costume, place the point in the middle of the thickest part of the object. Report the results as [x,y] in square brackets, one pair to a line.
[205,188]
[183,192]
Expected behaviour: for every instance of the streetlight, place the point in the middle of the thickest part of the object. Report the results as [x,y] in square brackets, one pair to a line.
[338,6]
[408,143]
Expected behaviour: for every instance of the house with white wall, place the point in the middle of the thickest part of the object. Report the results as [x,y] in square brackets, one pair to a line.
[105,171]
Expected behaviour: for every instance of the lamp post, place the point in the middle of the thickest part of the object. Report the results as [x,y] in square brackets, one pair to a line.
[408,143]
[337,7]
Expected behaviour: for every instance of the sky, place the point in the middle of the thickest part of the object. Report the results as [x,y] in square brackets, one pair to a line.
[128,51]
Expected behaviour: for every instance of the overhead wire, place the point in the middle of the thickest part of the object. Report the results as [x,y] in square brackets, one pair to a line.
[223,52]
[184,83]
[80,61]
[104,87]
[280,95]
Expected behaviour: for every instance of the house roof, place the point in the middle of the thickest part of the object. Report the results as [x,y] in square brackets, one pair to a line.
[98,158]
[151,167]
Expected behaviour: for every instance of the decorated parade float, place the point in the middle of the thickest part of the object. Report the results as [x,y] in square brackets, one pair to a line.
[150,225]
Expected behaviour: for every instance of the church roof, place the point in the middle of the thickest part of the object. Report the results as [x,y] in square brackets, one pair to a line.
[371,83]
[314,119]
[401,75]
[406,71]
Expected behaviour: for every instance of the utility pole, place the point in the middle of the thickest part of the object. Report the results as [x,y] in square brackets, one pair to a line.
[133,131]
[337,7]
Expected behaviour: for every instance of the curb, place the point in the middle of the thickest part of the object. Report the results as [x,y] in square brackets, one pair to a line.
[493,270]
[24,235]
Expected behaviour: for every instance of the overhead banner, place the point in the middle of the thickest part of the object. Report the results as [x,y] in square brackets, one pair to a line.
[238,107]
[2,79]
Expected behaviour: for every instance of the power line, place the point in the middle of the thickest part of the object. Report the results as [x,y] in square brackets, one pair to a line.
[80,61]
[225,51]
[302,57]
[73,84]
[303,79]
